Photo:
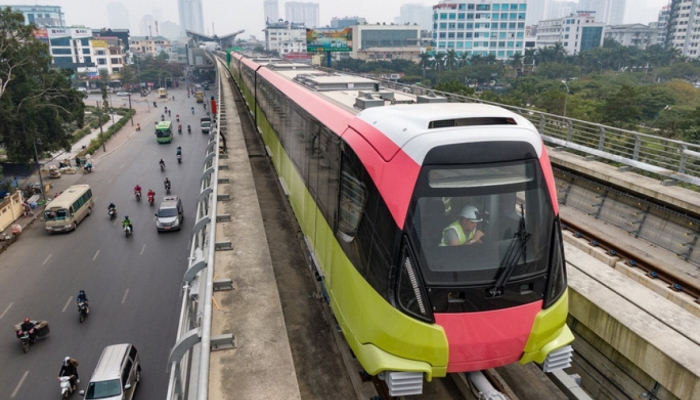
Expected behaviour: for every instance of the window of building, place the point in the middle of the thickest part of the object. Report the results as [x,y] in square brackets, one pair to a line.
[483,7]
[452,16]
[442,35]
[451,35]
[460,25]
[443,16]
[470,25]
[451,26]
[61,51]
[470,16]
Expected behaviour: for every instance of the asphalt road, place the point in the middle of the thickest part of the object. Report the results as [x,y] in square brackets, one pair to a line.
[134,284]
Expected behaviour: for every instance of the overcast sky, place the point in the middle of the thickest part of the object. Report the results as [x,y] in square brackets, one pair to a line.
[232,15]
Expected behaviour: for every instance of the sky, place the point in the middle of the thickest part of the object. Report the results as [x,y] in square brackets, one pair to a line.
[228,16]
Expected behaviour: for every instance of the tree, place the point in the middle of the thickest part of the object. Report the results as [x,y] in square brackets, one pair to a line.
[424,62]
[451,59]
[128,75]
[37,104]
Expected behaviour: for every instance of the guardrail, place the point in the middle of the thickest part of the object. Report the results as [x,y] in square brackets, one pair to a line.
[673,159]
[190,355]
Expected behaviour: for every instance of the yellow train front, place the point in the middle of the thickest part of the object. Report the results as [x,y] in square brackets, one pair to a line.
[435,227]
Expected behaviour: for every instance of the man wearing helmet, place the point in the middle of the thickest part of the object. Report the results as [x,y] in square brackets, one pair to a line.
[82,298]
[70,368]
[127,222]
[28,326]
[463,231]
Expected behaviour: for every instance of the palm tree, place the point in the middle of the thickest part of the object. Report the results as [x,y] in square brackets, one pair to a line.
[451,59]
[439,60]
[516,61]
[477,59]
[463,59]
[529,58]
[490,59]
[559,52]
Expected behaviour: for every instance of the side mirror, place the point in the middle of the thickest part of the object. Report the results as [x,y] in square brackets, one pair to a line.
[156,214]
[127,386]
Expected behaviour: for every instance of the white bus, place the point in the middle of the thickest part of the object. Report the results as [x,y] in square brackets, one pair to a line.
[66,211]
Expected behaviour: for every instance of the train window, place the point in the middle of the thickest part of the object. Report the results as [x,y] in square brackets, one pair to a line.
[323,170]
[352,203]
[503,203]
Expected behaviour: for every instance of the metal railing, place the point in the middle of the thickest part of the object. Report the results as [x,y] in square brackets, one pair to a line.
[193,341]
[672,159]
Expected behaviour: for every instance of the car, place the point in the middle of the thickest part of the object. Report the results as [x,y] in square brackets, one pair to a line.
[205,126]
[81,89]
[116,375]
[170,216]
[122,94]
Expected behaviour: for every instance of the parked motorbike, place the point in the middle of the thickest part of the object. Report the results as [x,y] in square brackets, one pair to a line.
[66,387]
[127,231]
[138,195]
[29,338]
[112,213]
[83,311]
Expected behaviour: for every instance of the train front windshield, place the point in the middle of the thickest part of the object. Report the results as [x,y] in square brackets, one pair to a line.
[453,206]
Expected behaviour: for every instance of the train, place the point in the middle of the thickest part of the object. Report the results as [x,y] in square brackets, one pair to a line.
[433,226]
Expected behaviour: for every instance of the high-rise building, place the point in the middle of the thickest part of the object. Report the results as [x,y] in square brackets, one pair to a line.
[662,25]
[272,11]
[638,35]
[41,16]
[557,9]
[490,27]
[147,26]
[682,28]
[306,13]
[118,16]
[609,12]
[416,14]
[170,30]
[191,17]
[340,23]
[535,11]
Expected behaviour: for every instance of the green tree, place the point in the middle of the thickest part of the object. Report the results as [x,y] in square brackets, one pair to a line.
[622,107]
[128,75]
[37,104]
[454,87]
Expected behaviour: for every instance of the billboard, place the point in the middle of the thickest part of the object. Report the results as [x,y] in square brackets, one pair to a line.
[328,39]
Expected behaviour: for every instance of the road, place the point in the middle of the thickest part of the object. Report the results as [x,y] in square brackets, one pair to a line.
[134,284]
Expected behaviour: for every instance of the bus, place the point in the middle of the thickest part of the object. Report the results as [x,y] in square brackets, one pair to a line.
[162,93]
[199,95]
[66,211]
[164,132]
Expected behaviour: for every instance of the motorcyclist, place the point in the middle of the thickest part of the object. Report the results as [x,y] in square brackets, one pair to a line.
[151,194]
[169,113]
[88,166]
[178,117]
[137,188]
[70,368]
[189,128]
[154,104]
[178,151]
[167,184]
[162,163]
[204,105]
[127,222]
[192,110]
[179,128]
[28,326]
[82,298]
[110,207]
[162,117]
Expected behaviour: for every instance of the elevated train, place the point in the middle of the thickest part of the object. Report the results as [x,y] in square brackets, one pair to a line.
[374,178]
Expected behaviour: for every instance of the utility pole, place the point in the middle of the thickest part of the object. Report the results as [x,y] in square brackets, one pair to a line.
[132,115]
[38,168]
[99,119]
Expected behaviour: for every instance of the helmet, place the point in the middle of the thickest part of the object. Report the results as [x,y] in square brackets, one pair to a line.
[82,291]
[66,359]
[126,217]
[26,320]
[471,213]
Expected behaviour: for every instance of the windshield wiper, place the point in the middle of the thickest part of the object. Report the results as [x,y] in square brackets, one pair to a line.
[516,251]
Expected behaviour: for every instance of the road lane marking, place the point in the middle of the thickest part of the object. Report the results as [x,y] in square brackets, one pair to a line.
[6,310]
[142,249]
[95,258]
[125,293]
[19,385]
[47,260]
[67,303]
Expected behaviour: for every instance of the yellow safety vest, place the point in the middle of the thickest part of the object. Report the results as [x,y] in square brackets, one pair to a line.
[457,227]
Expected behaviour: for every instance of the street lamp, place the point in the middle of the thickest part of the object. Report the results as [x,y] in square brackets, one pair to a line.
[566,99]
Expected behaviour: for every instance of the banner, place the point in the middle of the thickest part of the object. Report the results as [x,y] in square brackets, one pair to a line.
[321,40]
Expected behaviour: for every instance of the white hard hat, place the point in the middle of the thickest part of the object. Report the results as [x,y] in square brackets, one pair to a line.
[471,213]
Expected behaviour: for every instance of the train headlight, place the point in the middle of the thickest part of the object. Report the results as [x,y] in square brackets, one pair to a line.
[556,284]
[411,293]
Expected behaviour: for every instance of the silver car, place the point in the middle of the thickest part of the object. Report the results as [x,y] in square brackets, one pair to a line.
[170,216]
[116,375]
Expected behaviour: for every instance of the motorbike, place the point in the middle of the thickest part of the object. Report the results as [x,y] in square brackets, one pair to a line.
[112,213]
[178,118]
[162,117]
[83,311]
[87,168]
[127,231]
[162,167]
[189,129]
[179,130]
[151,200]
[155,105]
[167,189]
[66,387]
[29,338]
[192,110]
[179,158]
[138,195]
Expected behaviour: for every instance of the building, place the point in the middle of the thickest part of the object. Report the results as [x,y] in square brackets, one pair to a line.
[41,16]
[118,16]
[341,23]
[416,14]
[302,13]
[609,12]
[149,45]
[386,42]
[148,26]
[683,28]
[576,32]
[121,34]
[285,38]
[271,9]
[558,9]
[491,27]
[637,35]
[535,11]
[662,25]
[191,16]
[70,47]
[170,30]
[108,54]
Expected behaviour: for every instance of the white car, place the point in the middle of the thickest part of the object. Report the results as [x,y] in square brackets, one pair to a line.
[122,94]
[82,89]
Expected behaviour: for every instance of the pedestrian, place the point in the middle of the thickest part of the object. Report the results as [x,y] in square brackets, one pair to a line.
[77,161]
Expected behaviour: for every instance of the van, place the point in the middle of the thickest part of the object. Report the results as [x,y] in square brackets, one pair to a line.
[170,216]
[116,375]
[205,124]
